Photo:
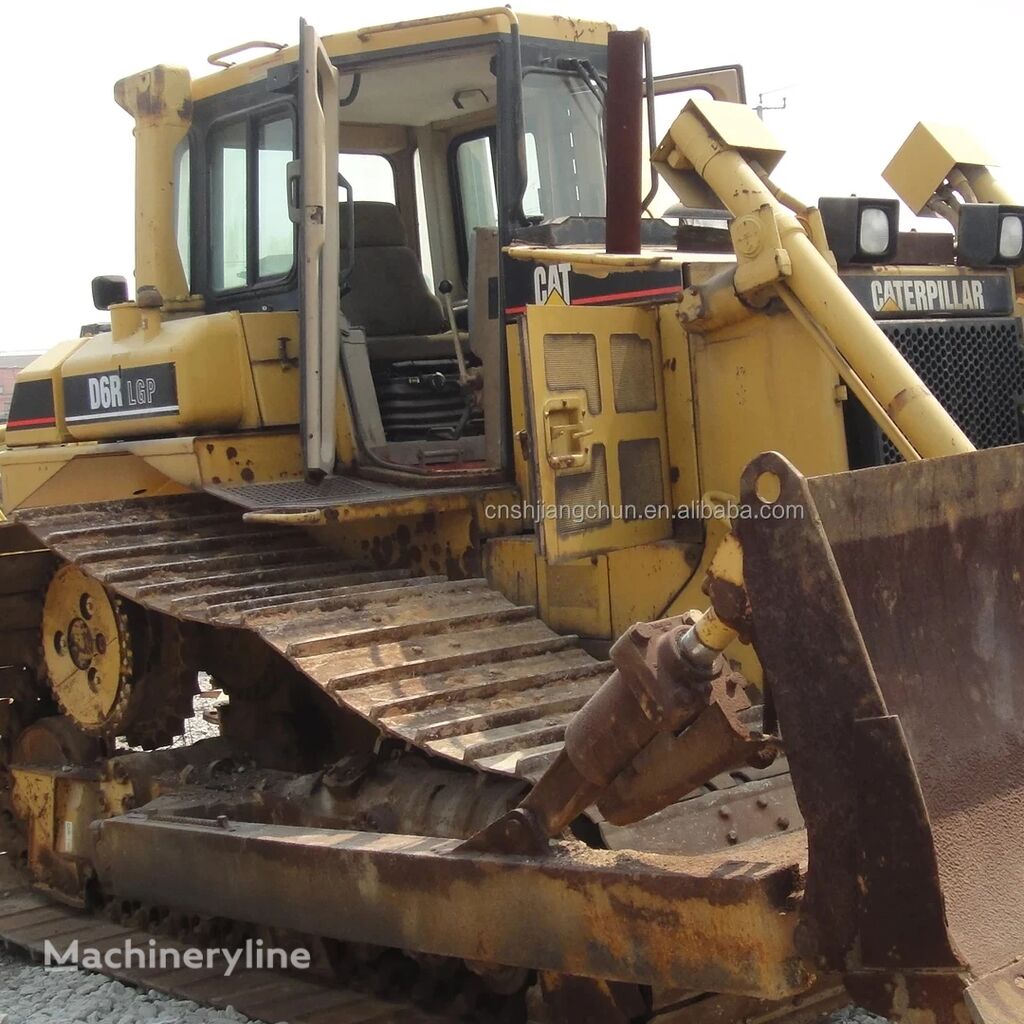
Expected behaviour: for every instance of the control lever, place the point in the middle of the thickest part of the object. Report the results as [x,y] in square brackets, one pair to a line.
[445,288]
[470,381]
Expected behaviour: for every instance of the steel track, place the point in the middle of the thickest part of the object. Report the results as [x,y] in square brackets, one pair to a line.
[451,667]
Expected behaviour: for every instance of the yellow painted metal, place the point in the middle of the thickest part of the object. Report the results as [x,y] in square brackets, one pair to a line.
[595,261]
[574,597]
[446,543]
[727,561]
[644,579]
[249,458]
[160,100]
[745,378]
[33,800]
[89,472]
[272,343]
[926,158]
[510,565]
[272,346]
[680,410]
[726,567]
[377,512]
[805,273]
[933,153]
[713,632]
[498,511]
[717,526]
[421,32]
[615,590]
[211,365]
[58,809]
[584,513]
[86,649]
[521,447]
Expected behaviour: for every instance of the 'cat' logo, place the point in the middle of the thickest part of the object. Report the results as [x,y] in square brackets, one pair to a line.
[551,284]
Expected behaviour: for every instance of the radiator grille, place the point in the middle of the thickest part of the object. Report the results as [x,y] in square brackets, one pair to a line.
[582,498]
[633,373]
[640,477]
[570,364]
[974,367]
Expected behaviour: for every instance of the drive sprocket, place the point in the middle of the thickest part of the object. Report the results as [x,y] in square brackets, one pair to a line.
[114,669]
[87,650]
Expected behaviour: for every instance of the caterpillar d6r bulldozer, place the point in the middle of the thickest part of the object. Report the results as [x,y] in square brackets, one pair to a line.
[627,628]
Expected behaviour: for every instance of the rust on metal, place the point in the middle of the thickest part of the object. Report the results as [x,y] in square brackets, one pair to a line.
[659,728]
[447,665]
[624,143]
[714,923]
[896,685]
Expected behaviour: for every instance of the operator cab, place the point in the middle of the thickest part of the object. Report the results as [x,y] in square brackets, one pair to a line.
[429,155]
[447,151]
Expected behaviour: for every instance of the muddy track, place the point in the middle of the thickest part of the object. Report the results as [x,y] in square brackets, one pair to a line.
[447,666]
[451,667]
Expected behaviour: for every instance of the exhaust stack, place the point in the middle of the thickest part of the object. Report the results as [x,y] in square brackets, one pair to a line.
[624,141]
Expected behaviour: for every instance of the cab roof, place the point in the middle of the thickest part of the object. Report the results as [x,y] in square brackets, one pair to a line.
[419,32]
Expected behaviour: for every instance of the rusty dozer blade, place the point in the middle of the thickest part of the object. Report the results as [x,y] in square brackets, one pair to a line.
[888,614]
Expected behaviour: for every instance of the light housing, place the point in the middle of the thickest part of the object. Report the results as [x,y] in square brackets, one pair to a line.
[861,230]
[990,235]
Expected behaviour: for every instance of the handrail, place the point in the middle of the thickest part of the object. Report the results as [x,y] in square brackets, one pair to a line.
[217,59]
[482,14]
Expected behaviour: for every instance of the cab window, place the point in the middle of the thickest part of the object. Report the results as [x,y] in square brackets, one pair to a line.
[252,239]
[471,167]
[371,176]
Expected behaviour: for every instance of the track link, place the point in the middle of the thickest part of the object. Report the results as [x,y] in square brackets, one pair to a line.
[451,667]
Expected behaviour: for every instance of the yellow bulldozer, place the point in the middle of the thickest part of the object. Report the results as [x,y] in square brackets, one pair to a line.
[623,629]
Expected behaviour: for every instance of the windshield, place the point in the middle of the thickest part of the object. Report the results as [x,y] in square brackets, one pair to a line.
[564,147]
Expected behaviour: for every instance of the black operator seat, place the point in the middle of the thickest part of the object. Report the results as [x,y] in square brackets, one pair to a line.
[387,295]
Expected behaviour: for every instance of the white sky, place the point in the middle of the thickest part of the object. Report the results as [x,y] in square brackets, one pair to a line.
[857,76]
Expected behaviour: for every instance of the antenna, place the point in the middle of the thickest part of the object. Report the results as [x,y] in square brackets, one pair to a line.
[761,106]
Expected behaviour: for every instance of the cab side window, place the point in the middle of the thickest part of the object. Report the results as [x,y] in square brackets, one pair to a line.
[471,164]
[252,239]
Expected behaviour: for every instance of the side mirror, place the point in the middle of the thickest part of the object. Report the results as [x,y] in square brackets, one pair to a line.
[108,290]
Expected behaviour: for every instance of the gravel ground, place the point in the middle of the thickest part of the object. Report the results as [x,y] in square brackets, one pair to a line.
[852,1015]
[196,727]
[31,995]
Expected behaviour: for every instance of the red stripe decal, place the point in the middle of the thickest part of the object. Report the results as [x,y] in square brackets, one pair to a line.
[591,299]
[672,289]
[45,421]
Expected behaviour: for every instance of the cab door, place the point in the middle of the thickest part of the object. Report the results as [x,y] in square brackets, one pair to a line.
[314,183]
[595,391]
